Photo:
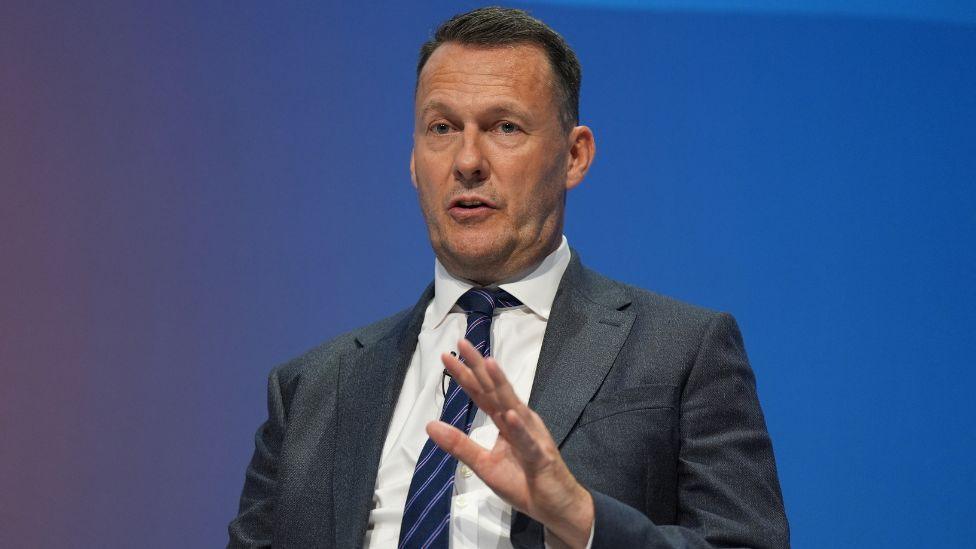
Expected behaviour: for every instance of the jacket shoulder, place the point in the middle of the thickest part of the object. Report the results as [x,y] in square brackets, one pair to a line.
[322,356]
[646,302]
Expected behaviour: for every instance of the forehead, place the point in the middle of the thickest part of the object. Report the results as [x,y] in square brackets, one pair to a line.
[472,75]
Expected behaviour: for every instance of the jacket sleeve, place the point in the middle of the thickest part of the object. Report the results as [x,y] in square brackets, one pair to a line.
[728,491]
[254,522]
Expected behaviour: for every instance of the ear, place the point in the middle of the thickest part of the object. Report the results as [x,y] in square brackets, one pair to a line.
[413,169]
[582,149]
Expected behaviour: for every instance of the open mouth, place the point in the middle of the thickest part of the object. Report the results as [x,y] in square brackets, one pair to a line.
[470,204]
[469,209]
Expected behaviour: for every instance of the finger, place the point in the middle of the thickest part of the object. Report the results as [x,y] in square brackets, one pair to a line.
[462,375]
[504,393]
[455,442]
[529,422]
[524,442]
[471,356]
[474,361]
[486,400]
[468,381]
[504,431]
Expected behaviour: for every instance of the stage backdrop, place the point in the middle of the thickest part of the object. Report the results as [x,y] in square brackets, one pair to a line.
[194,192]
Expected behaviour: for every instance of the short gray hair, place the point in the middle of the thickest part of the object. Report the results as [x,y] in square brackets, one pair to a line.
[497,26]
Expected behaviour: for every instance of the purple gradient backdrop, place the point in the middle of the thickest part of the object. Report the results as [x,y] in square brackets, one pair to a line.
[194,192]
[142,269]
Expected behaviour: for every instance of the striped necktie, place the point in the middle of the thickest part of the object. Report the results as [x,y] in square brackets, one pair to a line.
[427,511]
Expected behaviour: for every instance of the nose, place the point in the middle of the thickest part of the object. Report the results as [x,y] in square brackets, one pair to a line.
[470,162]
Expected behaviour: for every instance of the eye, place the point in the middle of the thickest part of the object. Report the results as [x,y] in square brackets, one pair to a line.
[508,127]
[440,128]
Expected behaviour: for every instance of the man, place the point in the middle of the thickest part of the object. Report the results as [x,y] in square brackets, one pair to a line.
[581,412]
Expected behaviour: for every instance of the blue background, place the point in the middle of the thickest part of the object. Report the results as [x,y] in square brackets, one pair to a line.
[194,192]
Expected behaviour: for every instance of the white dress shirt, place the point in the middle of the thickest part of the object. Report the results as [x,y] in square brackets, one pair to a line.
[479,518]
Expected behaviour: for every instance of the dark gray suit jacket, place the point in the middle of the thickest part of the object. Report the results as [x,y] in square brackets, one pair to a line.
[651,401]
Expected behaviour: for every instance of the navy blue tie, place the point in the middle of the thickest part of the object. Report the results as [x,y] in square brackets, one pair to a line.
[427,511]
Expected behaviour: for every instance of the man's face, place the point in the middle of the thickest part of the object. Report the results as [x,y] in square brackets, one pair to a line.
[491,160]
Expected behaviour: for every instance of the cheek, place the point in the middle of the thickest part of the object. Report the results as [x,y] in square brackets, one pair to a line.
[429,181]
[428,200]
[432,162]
[539,201]
[530,214]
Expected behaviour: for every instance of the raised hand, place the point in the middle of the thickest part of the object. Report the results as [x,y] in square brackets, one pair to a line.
[524,467]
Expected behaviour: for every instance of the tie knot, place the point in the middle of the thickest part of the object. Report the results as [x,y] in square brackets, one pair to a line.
[485,300]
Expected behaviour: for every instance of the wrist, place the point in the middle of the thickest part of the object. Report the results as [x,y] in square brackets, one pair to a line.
[574,523]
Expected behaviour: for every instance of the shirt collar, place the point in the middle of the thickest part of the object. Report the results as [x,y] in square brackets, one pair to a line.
[536,289]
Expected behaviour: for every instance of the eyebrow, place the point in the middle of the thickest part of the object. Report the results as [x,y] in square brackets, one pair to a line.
[500,108]
[437,106]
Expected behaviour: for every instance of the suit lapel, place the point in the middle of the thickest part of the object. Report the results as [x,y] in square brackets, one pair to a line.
[585,332]
[369,384]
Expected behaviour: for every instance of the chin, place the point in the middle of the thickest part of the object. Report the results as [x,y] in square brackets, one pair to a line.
[477,255]
[476,258]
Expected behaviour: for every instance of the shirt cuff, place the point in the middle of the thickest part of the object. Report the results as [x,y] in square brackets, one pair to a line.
[589,543]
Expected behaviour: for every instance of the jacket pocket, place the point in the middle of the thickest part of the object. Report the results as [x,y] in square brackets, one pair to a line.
[629,399]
